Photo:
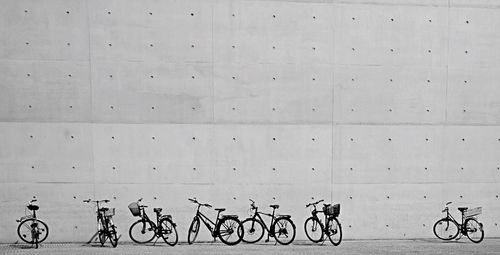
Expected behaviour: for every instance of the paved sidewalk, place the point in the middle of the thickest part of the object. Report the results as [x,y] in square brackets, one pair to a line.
[421,246]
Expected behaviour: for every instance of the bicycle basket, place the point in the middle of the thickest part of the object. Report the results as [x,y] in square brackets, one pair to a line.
[134,209]
[110,212]
[332,210]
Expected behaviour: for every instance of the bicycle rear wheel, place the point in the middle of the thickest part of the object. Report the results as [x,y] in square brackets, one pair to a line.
[230,230]
[334,231]
[142,231]
[446,229]
[32,231]
[168,232]
[194,228]
[474,230]
[314,229]
[284,230]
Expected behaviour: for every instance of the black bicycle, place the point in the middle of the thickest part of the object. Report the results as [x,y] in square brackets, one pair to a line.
[105,227]
[282,227]
[448,228]
[227,227]
[145,230]
[314,228]
[32,230]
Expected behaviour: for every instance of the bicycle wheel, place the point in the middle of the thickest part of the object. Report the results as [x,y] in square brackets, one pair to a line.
[229,230]
[168,232]
[334,231]
[474,230]
[314,229]
[32,231]
[253,230]
[283,230]
[113,239]
[445,229]
[102,232]
[142,231]
[194,228]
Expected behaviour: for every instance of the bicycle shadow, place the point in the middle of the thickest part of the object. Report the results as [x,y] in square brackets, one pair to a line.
[437,241]
[23,246]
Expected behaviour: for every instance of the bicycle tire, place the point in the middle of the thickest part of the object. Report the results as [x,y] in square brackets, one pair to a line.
[101,232]
[142,231]
[334,231]
[445,225]
[252,227]
[113,239]
[168,232]
[193,231]
[474,226]
[311,226]
[282,227]
[28,223]
[229,228]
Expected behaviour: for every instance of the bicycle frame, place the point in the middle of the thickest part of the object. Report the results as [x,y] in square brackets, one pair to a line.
[211,226]
[157,226]
[257,215]
[315,212]
[461,228]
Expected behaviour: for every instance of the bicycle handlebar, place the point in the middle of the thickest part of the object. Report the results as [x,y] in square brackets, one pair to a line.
[96,201]
[196,202]
[315,203]
[446,207]
[34,200]
[252,205]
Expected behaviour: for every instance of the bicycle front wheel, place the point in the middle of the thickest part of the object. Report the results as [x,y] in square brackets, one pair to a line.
[446,229]
[334,231]
[230,230]
[194,228]
[474,230]
[142,231]
[253,230]
[168,232]
[283,231]
[314,229]
[113,239]
[33,231]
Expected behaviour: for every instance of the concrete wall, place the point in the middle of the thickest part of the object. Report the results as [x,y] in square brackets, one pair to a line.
[390,108]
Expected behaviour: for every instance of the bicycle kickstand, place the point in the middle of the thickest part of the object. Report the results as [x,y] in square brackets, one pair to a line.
[154,243]
[92,238]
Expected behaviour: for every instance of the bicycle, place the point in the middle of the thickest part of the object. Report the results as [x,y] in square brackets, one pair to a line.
[227,227]
[32,230]
[105,227]
[145,230]
[314,228]
[282,227]
[448,228]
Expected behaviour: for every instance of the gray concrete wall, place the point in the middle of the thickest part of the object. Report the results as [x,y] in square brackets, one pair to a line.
[390,108]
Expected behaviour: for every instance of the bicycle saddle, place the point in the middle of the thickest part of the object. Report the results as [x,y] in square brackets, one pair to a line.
[33,207]
[157,210]
[274,206]
[220,209]
[462,209]
[168,216]
[103,209]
